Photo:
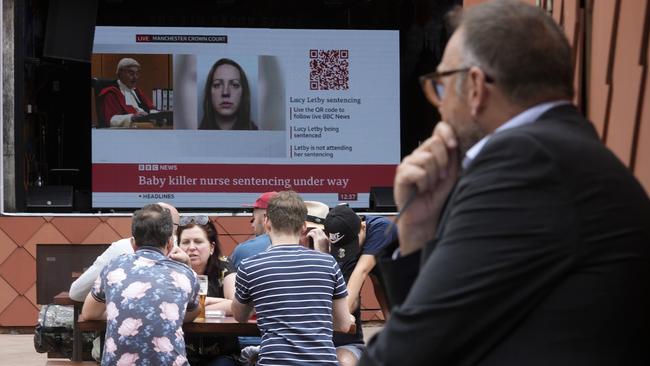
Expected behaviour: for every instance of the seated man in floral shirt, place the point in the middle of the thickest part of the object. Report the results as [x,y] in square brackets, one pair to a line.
[146,297]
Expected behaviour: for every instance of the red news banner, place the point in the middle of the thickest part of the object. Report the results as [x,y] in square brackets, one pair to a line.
[240,178]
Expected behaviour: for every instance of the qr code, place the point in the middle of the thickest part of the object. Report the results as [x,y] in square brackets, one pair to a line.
[329,70]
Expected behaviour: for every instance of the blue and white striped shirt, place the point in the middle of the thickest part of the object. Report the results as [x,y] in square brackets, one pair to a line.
[292,288]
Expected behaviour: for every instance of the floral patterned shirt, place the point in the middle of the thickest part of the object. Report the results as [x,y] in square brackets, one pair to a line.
[146,296]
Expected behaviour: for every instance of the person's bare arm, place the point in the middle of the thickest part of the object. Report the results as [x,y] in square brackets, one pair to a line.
[365,264]
[93,309]
[225,303]
[190,315]
[342,320]
[241,312]
[219,303]
[229,286]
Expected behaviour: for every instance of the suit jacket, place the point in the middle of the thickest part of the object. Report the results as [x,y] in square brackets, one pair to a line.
[541,257]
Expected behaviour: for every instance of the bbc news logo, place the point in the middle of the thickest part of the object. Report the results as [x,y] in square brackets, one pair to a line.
[156,167]
[148,167]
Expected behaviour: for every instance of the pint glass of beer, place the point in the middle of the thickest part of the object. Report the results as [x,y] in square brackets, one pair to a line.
[203,292]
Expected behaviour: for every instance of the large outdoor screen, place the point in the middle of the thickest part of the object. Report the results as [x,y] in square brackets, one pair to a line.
[237,112]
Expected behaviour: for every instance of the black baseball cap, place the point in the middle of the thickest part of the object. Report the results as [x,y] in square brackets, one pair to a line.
[342,225]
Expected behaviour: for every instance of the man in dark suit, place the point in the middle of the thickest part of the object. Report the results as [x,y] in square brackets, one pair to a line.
[526,241]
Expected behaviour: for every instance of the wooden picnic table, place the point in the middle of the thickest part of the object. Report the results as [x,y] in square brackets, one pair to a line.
[208,326]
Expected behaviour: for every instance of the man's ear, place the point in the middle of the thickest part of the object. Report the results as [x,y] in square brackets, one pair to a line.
[133,244]
[477,92]
[267,224]
[170,244]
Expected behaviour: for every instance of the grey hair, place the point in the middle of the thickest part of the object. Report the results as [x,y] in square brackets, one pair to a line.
[521,47]
[469,60]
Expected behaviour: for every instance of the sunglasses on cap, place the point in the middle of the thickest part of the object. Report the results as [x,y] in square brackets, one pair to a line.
[199,220]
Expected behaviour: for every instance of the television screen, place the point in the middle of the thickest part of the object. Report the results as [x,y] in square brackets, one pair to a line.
[212,117]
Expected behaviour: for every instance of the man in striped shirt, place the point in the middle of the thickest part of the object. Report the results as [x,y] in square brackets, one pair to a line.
[299,294]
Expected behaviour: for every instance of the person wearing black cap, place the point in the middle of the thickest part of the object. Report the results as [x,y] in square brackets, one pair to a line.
[355,243]
[299,294]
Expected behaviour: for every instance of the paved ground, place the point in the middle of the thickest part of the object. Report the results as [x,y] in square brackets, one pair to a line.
[18,349]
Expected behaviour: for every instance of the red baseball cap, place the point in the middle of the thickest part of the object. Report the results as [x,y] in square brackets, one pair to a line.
[263,200]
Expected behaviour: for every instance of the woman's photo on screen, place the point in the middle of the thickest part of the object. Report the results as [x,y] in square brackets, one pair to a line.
[227,98]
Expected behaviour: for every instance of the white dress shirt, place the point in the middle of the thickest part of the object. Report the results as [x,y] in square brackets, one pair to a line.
[123,120]
[530,115]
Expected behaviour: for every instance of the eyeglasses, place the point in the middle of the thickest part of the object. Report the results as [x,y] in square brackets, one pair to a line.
[199,220]
[434,90]
[131,72]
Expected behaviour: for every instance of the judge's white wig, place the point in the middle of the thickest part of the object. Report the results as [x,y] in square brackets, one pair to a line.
[126,62]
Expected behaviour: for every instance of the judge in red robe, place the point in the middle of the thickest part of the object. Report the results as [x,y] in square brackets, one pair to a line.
[123,100]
